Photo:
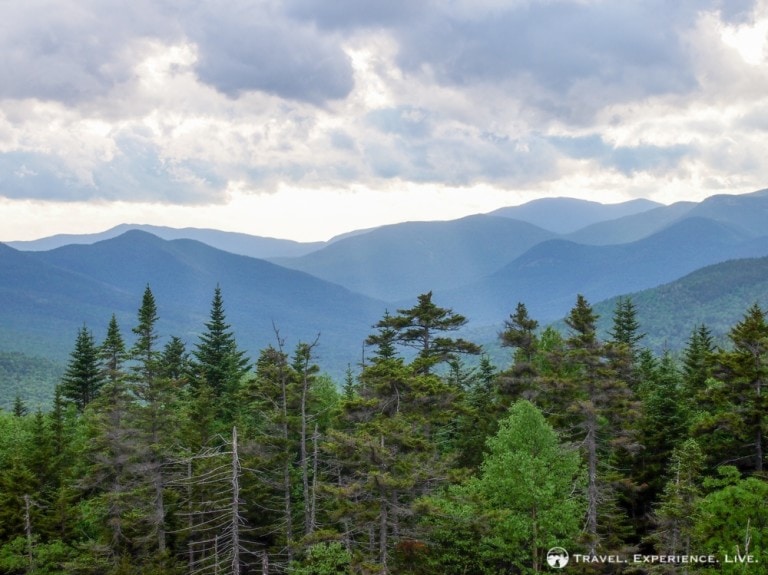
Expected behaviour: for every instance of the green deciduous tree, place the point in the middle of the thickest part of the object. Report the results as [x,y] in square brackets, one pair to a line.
[733,520]
[526,499]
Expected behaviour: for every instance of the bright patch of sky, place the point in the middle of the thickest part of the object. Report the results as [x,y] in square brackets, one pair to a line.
[304,118]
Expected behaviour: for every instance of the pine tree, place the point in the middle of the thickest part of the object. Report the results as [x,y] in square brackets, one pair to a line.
[271,400]
[174,361]
[145,352]
[521,379]
[83,377]
[110,478]
[663,425]
[19,407]
[624,343]
[387,453]
[422,327]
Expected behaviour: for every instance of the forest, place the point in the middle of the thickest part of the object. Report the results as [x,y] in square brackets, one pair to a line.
[160,456]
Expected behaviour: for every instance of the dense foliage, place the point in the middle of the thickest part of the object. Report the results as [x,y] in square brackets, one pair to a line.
[157,458]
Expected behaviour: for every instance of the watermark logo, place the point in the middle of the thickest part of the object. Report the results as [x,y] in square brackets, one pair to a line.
[557,557]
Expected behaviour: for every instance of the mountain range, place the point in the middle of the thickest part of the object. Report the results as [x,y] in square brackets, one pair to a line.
[480,265]
[53,293]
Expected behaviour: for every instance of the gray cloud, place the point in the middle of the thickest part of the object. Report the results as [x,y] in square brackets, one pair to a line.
[251,47]
[619,51]
[626,159]
[341,14]
[736,11]
[71,51]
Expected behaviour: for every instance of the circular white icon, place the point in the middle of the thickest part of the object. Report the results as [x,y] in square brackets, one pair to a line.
[557,557]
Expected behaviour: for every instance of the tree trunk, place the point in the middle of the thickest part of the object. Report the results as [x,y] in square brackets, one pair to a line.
[313,492]
[759,433]
[592,489]
[235,527]
[303,458]
[383,526]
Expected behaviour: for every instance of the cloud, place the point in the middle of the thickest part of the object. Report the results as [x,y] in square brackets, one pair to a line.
[627,160]
[353,14]
[253,47]
[137,172]
[618,50]
[163,101]
[72,51]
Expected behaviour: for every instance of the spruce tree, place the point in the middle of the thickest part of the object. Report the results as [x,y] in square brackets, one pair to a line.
[675,515]
[83,377]
[600,408]
[626,328]
[112,352]
[520,333]
[154,417]
[733,429]
[217,359]
[698,358]
[388,450]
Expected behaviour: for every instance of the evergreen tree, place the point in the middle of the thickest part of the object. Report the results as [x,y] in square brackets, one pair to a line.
[421,327]
[520,334]
[624,343]
[599,408]
[109,526]
[520,381]
[663,425]
[626,328]
[676,513]
[19,407]
[174,361]
[112,352]
[271,400]
[145,352]
[387,452]
[217,359]
[698,358]
[83,377]
[735,424]
[154,418]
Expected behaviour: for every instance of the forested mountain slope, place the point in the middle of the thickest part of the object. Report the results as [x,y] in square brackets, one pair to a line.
[54,293]
[549,276]
[395,262]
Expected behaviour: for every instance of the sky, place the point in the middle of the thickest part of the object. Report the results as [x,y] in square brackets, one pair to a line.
[303,119]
